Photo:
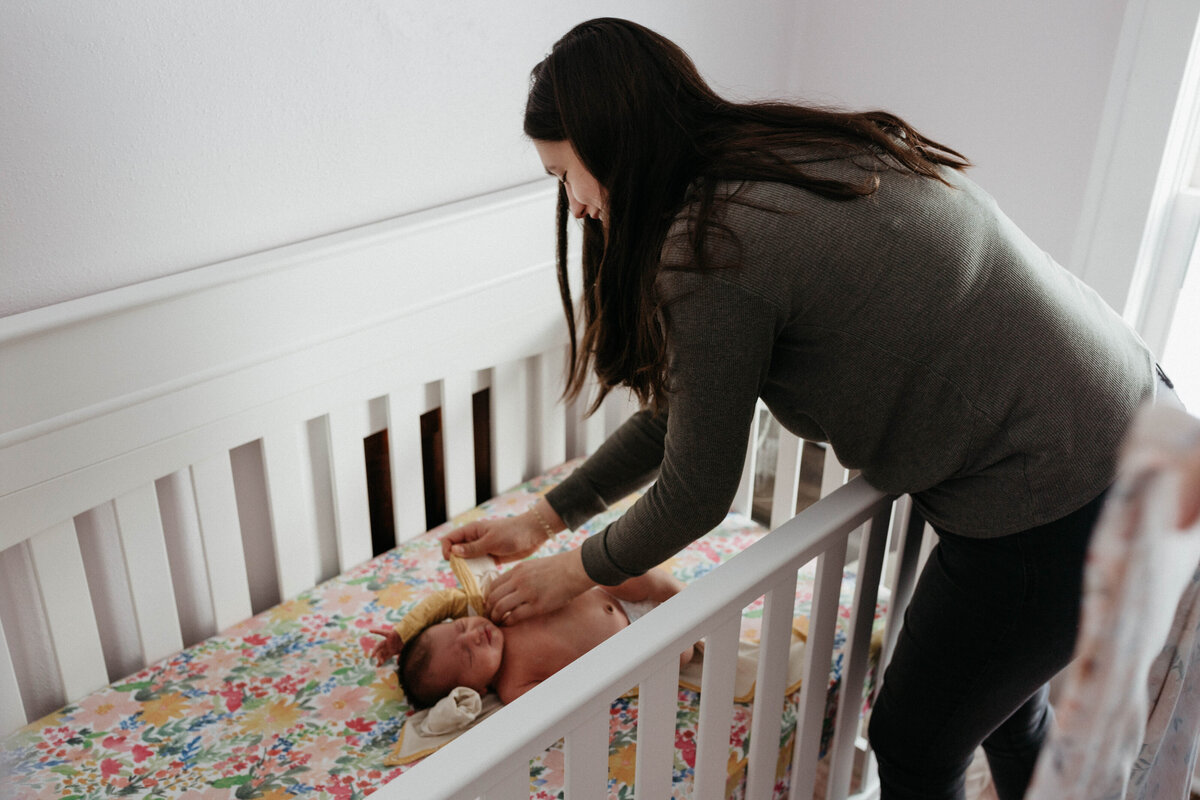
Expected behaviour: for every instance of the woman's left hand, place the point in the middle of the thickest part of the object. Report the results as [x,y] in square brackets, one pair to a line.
[537,586]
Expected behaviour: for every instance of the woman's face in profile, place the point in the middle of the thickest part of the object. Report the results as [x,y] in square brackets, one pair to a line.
[586,196]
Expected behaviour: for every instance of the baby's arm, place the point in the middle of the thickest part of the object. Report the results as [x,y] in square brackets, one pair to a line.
[656,585]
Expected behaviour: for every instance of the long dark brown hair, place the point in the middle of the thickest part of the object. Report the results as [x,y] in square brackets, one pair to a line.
[649,129]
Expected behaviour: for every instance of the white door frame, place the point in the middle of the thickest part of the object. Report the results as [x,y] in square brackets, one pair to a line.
[1138,153]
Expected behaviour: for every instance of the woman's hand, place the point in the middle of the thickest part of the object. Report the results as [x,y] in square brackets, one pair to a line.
[504,538]
[537,586]
[390,646]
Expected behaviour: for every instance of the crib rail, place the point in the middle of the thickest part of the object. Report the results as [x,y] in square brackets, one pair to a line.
[574,704]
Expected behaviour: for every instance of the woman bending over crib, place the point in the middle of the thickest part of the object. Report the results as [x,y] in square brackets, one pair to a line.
[841,267]
[473,652]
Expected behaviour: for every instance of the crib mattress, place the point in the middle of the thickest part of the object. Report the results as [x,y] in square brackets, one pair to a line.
[287,703]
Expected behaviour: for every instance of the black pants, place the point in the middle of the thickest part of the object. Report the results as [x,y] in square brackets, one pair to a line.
[990,622]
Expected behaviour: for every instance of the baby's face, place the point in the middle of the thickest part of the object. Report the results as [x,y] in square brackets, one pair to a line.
[465,652]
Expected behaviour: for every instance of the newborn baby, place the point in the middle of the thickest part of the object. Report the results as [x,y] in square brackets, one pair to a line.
[474,652]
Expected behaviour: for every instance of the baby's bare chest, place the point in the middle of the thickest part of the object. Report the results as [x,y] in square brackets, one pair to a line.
[543,646]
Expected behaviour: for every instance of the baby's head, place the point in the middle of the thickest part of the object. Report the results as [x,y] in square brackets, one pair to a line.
[455,652]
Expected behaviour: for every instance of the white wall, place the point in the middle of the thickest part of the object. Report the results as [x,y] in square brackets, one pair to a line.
[1018,87]
[142,138]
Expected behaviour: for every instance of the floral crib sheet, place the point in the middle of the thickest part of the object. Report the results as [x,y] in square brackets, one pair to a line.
[287,704]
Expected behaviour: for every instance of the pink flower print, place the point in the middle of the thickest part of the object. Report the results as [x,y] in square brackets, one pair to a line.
[289,684]
[104,710]
[215,667]
[323,753]
[556,771]
[205,794]
[109,767]
[56,737]
[685,743]
[141,752]
[233,698]
[345,599]
[359,724]
[343,702]
[116,743]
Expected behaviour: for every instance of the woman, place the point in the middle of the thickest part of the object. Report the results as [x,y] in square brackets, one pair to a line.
[842,268]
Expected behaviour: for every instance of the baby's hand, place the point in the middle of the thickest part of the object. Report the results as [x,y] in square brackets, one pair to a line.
[390,646]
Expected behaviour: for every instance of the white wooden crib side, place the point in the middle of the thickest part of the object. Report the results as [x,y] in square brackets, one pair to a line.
[574,703]
[298,353]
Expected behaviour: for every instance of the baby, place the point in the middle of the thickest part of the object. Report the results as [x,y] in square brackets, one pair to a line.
[474,652]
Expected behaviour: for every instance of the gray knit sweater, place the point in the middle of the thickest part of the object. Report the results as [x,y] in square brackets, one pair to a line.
[916,330]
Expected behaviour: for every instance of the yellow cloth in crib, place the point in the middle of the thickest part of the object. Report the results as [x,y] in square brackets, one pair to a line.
[442,604]
[746,671]
[474,575]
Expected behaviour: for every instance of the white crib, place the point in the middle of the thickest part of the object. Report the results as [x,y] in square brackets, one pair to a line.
[178,412]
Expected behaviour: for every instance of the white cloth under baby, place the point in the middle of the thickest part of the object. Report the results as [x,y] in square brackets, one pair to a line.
[454,712]
[635,610]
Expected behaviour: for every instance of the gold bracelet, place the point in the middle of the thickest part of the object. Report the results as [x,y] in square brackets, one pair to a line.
[541,519]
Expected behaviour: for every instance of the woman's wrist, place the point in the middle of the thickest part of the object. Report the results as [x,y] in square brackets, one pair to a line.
[577,575]
[547,520]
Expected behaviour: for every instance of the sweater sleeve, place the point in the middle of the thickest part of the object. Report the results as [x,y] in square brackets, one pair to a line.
[720,337]
[625,462]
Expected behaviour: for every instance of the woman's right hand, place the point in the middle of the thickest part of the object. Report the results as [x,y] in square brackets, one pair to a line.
[503,538]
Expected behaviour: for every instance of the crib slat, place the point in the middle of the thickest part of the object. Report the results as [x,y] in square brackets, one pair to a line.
[509,410]
[220,533]
[513,786]
[585,752]
[767,722]
[142,545]
[658,697]
[716,709]
[743,501]
[552,420]
[818,658]
[866,590]
[293,526]
[905,581]
[589,432]
[351,511]
[12,710]
[62,583]
[619,406]
[458,448]
[787,479]
[405,407]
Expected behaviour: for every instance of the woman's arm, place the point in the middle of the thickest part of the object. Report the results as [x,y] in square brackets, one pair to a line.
[721,339]
[626,461]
